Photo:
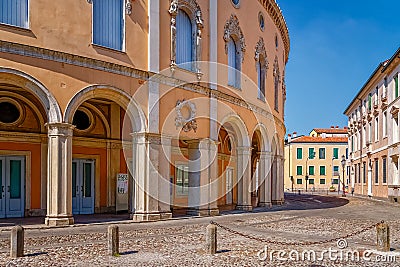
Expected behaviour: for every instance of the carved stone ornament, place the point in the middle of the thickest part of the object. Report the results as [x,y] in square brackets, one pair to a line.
[194,12]
[232,29]
[186,116]
[276,70]
[261,53]
[128,6]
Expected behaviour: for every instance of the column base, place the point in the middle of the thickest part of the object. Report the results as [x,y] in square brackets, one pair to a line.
[202,212]
[150,216]
[265,204]
[244,207]
[278,202]
[59,221]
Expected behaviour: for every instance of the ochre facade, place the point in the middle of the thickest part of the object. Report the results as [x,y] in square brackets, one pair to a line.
[78,114]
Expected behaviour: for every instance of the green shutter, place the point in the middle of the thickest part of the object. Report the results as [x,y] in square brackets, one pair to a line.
[369,102]
[299,170]
[311,170]
[396,85]
[299,153]
[322,170]
[336,153]
[311,153]
[322,181]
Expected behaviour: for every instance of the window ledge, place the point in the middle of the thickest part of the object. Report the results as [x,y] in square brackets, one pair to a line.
[234,87]
[105,48]
[262,99]
[13,28]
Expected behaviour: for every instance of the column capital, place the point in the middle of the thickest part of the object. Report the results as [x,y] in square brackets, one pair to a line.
[243,149]
[60,129]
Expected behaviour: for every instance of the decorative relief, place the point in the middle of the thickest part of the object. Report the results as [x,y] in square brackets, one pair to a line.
[186,115]
[232,29]
[276,69]
[261,53]
[193,10]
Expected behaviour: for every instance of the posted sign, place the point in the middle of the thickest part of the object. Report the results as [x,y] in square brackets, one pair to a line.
[122,195]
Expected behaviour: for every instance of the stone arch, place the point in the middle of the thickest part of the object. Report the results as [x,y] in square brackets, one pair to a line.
[29,83]
[266,143]
[120,97]
[241,136]
[233,30]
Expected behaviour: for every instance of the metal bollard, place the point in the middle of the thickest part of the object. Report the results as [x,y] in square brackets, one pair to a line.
[383,237]
[17,242]
[113,240]
[211,239]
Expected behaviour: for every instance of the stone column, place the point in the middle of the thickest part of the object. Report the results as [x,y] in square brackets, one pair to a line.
[203,185]
[265,175]
[244,177]
[369,177]
[59,175]
[146,165]
[274,179]
[281,187]
[164,183]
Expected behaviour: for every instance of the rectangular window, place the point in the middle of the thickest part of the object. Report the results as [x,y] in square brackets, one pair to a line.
[322,181]
[376,129]
[369,133]
[14,12]
[335,181]
[299,153]
[311,170]
[336,153]
[322,170]
[182,180]
[396,85]
[384,124]
[299,170]
[369,102]
[352,143]
[376,171]
[310,181]
[311,153]
[108,23]
[384,169]
[336,171]
[322,153]
[364,172]
[299,181]
[359,173]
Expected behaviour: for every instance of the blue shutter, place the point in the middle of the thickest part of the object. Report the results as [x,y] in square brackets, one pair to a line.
[108,23]
[232,63]
[14,12]
[184,40]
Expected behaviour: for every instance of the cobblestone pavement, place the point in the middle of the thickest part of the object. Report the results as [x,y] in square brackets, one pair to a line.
[181,242]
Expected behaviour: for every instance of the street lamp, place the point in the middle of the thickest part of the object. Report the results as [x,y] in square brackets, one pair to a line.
[343,165]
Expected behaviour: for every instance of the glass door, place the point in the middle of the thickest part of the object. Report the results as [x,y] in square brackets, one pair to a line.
[83,186]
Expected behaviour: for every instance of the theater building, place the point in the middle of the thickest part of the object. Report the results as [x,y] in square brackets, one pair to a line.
[155,107]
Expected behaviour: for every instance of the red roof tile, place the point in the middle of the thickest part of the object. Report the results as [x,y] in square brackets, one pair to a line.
[310,139]
[330,130]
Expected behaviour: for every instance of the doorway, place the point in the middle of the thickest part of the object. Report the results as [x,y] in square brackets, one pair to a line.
[12,186]
[83,186]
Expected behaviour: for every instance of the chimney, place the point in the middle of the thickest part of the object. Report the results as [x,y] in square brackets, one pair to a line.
[337,127]
[346,128]
[332,127]
[289,138]
[294,134]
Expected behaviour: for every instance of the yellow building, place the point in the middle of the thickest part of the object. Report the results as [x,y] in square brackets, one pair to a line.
[314,163]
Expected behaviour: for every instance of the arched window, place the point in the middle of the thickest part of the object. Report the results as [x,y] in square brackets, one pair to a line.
[276,83]
[234,47]
[261,66]
[234,64]
[184,40]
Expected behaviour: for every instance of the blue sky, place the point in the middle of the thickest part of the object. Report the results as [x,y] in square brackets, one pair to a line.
[335,47]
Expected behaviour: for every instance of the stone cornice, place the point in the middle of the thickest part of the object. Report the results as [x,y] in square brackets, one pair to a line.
[85,62]
[276,15]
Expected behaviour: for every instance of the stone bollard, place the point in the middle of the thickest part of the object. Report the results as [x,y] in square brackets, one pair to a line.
[17,242]
[383,237]
[113,240]
[211,239]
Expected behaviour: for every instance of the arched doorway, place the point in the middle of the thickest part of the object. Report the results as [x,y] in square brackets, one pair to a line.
[25,107]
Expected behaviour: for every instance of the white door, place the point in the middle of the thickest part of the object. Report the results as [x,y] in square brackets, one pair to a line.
[229,185]
[12,185]
[83,186]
